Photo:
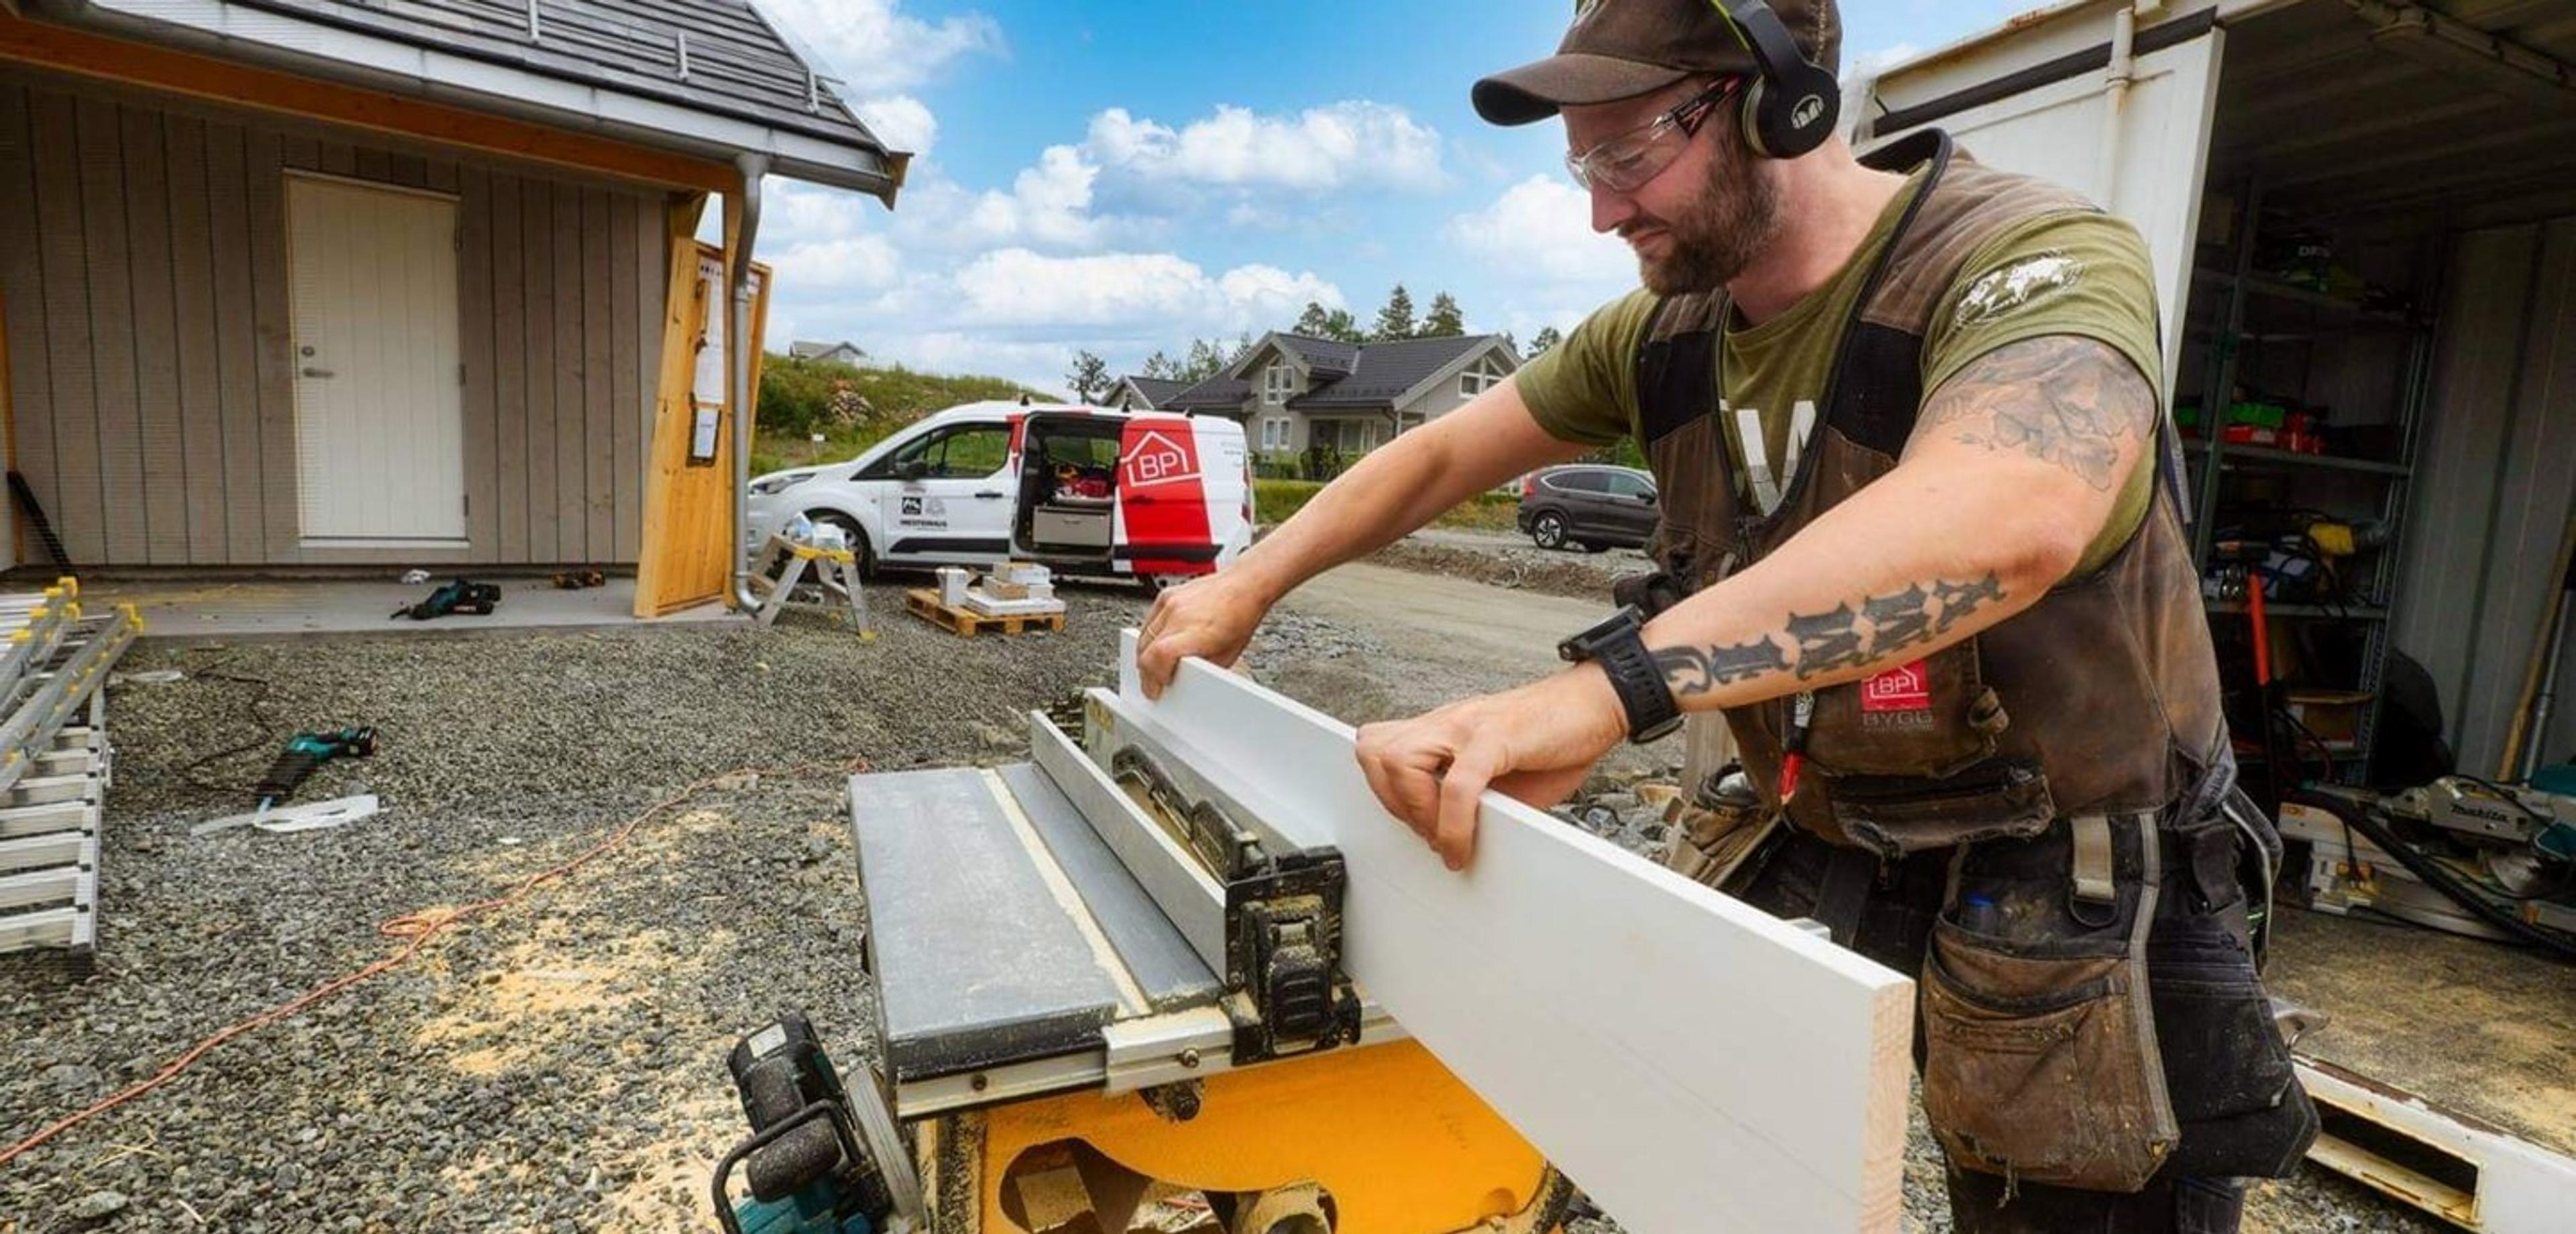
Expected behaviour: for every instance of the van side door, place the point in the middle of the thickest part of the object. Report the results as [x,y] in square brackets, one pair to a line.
[946,495]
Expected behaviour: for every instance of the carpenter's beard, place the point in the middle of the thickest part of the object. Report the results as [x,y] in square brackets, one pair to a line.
[1716,236]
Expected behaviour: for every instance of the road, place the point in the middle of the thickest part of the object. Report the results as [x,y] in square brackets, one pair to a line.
[1451,620]
[1436,639]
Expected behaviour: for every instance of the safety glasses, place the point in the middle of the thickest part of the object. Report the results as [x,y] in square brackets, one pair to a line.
[1626,162]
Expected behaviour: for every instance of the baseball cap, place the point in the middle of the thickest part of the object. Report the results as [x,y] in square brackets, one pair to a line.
[1619,49]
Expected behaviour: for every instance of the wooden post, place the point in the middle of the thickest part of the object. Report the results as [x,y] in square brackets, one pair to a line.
[689,535]
[660,583]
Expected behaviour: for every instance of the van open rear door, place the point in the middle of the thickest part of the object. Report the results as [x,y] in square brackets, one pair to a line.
[2090,97]
[1162,498]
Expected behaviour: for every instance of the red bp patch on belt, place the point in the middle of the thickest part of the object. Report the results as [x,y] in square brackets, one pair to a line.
[1907,687]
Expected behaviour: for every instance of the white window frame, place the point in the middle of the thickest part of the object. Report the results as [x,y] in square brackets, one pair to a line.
[1278,384]
[1481,376]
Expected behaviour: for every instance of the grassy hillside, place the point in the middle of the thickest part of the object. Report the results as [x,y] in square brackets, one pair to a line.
[799,398]
[1274,500]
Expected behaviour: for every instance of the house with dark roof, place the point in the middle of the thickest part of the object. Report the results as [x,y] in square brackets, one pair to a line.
[1323,402]
[308,283]
[1133,393]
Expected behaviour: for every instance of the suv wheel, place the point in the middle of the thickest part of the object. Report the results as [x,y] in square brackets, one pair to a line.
[1548,530]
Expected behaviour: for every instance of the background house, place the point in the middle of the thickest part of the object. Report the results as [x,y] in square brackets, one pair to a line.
[1142,393]
[1320,403]
[300,283]
[844,352]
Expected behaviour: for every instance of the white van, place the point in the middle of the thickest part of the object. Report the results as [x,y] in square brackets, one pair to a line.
[1084,490]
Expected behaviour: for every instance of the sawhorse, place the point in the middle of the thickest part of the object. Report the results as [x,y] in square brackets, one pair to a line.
[835,570]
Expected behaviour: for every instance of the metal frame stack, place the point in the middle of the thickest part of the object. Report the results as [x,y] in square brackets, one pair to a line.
[54,772]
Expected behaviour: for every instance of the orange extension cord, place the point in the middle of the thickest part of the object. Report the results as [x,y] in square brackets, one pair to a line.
[419,929]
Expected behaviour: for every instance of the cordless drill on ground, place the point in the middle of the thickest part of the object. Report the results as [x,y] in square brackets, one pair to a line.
[305,754]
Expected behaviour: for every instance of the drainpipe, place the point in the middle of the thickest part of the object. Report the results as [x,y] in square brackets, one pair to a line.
[739,357]
[2115,98]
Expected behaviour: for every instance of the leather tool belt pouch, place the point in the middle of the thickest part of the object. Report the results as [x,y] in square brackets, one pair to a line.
[2040,1057]
[1712,828]
[1907,761]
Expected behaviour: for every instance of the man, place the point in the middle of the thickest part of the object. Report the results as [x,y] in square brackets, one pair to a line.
[1916,548]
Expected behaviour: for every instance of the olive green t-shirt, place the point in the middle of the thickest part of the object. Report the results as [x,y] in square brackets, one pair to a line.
[2067,273]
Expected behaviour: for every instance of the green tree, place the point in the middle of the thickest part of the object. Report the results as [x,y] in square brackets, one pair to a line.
[1089,375]
[1444,320]
[1546,337]
[1320,322]
[1395,321]
[1205,357]
[1162,366]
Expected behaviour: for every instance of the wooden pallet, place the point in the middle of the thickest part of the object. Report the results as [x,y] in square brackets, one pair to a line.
[924,603]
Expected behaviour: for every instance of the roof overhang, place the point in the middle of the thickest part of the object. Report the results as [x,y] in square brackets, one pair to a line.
[269,39]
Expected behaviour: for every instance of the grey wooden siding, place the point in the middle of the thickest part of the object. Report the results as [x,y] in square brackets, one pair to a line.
[144,276]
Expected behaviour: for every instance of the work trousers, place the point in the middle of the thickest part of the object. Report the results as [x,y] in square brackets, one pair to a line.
[2240,1111]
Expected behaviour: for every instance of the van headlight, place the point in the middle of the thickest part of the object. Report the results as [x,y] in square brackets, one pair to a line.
[770,485]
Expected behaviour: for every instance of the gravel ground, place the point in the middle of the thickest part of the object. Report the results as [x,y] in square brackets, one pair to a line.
[553,1067]
[1514,562]
[558,1065]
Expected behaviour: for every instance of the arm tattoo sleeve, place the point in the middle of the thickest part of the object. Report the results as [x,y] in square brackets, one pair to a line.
[2067,400]
[1845,637]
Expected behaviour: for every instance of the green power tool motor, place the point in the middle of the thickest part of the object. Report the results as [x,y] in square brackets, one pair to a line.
[305,754]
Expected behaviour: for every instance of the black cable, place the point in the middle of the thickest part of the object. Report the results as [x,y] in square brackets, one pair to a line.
[2558,943]
[255,706]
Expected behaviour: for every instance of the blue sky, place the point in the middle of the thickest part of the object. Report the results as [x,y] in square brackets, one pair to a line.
[1124,177]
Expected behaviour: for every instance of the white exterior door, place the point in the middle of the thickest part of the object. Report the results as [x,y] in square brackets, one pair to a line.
[379,417]
[2139,146]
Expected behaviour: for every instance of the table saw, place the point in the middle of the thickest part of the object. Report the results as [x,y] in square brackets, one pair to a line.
[1104,983]
[1182,971]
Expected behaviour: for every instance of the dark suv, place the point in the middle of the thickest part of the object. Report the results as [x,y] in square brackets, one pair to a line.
[1588,505]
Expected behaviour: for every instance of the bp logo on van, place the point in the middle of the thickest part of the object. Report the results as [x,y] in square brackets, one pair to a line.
[1157,459]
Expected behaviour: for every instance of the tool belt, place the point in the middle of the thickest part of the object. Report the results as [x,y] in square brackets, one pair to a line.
[2091,1013]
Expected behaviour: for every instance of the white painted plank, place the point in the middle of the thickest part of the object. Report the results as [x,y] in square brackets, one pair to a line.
[1696,1065]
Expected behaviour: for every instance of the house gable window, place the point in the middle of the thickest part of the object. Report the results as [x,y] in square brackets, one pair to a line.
[1480,377]
[1278,382]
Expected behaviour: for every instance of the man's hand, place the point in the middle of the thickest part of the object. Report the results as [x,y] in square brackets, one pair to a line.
[1212,617]
[1536,743]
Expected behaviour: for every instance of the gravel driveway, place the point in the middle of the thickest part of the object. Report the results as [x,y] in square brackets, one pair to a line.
[557,1065]
[553,1067]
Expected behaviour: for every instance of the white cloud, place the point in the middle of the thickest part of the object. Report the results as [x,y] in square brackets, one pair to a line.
[1047,204]
[1872,63]
[866,262]
[1541,231]
[1348,144]
[1118,293]
[901,121]
[873,49]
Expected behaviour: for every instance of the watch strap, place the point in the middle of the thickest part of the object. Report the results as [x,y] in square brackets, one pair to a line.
[1619,646]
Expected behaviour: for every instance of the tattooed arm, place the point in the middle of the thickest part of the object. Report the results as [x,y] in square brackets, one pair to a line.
[2015,465]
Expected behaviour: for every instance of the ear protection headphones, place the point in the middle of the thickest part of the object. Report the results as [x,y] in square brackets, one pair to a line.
[1791,105]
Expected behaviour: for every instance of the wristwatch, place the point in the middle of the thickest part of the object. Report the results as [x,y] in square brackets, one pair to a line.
[1619,646]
